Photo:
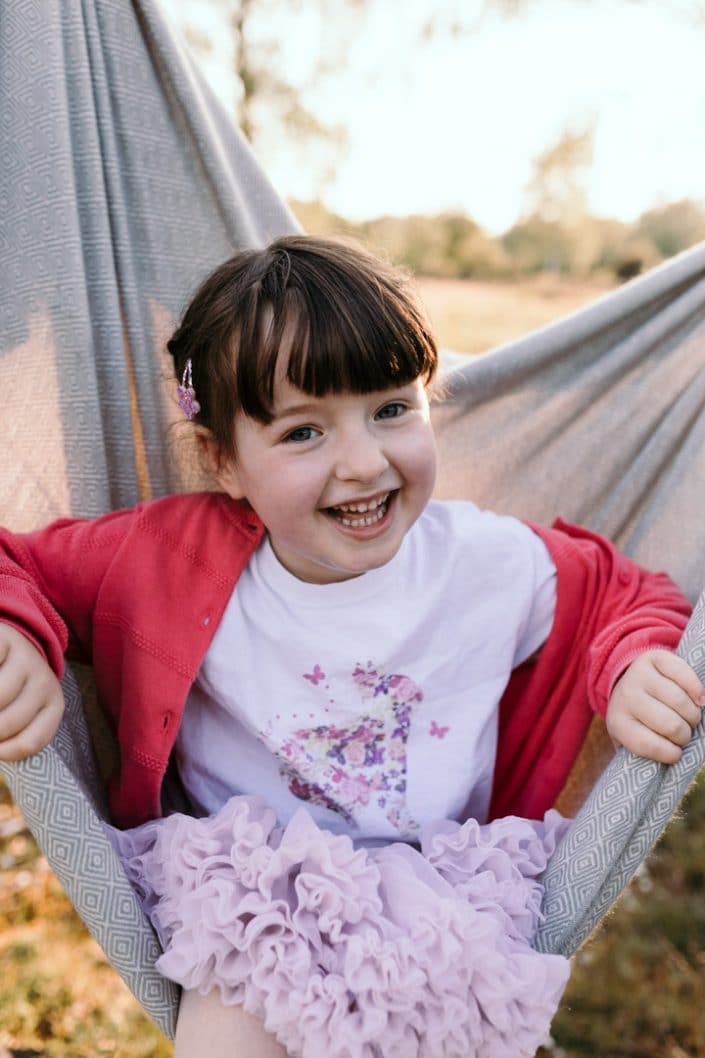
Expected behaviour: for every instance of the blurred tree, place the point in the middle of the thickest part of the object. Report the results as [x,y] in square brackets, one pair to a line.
[673,226]
[453,246]
[271,100]
[556,191]
[316,219]
[535,244]
[449,245]
[556,232]
[627,253]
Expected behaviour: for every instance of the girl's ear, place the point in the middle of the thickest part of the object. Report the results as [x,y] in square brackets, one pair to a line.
[223,470]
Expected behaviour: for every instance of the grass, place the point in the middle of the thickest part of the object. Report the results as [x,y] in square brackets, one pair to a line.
[59,997]
[638,987]
[471,317]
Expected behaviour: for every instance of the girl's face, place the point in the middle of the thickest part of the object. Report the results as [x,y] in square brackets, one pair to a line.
[337,480]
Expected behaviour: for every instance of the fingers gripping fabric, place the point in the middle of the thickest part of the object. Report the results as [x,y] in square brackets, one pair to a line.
[617,826]
[63,803]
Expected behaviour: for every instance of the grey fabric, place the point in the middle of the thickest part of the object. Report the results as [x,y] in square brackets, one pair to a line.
[122,183]
[618,825]
[598,419]
[63,804]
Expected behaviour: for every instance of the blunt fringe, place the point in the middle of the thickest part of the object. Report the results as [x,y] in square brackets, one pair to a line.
[346,321]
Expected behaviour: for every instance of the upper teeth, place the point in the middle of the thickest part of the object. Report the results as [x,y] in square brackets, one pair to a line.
[361,508]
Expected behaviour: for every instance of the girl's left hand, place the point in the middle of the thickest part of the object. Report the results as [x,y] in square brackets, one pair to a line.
[655,705]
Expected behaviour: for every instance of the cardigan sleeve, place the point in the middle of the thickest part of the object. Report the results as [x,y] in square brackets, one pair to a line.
[634,610]
[608,610]
[50,580]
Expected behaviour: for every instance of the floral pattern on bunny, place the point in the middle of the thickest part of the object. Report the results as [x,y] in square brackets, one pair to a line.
[364,763]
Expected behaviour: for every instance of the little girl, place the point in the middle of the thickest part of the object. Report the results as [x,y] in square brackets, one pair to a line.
[323,657]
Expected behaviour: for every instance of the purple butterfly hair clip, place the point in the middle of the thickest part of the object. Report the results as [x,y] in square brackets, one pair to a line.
[187,394]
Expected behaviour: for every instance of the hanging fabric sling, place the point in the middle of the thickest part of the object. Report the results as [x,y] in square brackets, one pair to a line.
[122,184]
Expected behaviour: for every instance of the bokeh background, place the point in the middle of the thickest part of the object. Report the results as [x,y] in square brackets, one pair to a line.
[551,144]
[521,158]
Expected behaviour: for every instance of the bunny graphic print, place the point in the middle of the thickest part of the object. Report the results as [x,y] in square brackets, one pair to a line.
[346,768]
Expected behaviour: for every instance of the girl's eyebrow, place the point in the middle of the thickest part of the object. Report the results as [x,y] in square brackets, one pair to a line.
[294,409]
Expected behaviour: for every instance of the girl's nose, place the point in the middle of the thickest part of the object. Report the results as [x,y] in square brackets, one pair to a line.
[361,458]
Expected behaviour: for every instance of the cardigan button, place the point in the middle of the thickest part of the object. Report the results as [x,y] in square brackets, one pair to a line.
[206,620]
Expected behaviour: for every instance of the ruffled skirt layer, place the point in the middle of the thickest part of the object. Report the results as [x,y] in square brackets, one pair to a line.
[356,953]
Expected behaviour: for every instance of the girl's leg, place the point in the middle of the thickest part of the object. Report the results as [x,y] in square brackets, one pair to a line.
[206,1026]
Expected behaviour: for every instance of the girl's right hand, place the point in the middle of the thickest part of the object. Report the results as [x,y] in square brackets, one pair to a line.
[655,706]
[31,699]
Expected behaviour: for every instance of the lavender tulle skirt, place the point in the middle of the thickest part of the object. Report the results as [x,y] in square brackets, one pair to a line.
[356,953]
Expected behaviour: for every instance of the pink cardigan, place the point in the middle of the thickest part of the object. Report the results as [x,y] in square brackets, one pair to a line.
[69,587]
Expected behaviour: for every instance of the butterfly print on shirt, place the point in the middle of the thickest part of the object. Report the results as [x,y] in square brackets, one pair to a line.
[348,767]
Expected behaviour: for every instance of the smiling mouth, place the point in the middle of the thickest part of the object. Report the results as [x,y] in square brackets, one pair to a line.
[360,515]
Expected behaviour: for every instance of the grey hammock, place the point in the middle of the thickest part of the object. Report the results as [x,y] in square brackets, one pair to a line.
[122,183]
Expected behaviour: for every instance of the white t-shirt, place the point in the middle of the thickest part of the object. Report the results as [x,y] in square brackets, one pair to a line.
[372,701]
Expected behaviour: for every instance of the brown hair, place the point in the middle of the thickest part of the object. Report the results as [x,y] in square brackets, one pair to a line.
[352,325]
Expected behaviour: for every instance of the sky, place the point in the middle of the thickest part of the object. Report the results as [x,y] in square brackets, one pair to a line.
[455,122]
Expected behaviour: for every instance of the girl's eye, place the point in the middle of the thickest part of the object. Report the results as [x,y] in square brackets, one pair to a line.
[301,434]
[393,410]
